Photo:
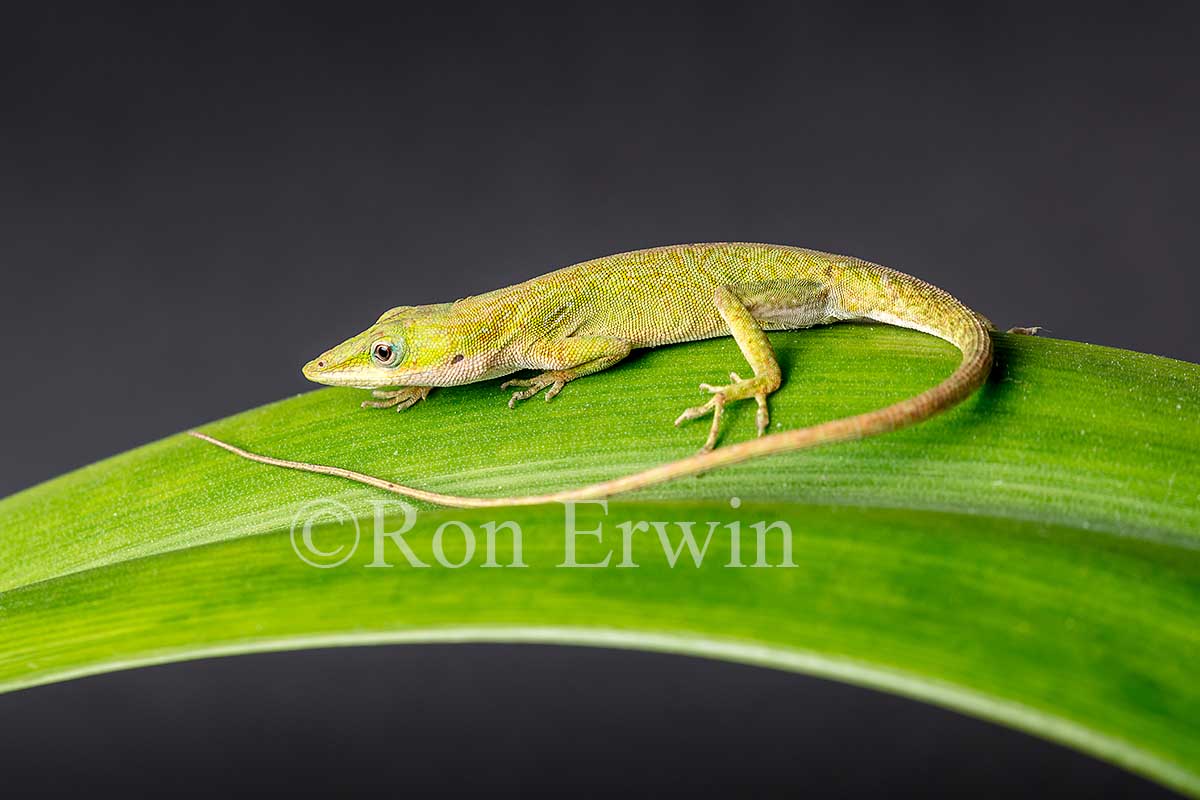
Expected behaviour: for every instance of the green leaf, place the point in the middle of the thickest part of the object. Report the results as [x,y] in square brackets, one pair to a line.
[1031,557]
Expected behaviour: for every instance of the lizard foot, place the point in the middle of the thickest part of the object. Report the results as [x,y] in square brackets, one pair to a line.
[556,380]
[400,398]
[738,390]
[1032,330]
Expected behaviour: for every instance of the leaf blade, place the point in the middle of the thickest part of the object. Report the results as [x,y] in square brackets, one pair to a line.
[945,561]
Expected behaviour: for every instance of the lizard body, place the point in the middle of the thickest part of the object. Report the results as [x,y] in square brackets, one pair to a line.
[585,318]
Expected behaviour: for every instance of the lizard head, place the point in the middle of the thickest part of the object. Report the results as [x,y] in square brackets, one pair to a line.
[405,347]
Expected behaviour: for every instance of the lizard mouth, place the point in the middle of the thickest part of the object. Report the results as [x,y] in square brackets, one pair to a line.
[328,372]
[321,370]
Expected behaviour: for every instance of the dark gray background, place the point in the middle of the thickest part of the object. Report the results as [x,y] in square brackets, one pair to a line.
[194,203]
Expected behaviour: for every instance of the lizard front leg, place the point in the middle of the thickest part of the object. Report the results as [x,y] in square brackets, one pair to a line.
[565,360]
[402,398]
[758,352]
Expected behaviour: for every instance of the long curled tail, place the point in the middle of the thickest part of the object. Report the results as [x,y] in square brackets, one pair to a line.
[907,302]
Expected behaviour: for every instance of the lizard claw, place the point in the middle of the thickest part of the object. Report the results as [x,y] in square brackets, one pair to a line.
[403,398]
[554,383]
[740,389]
[714,406]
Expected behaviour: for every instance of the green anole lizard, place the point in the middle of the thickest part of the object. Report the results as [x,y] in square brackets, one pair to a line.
[585,318]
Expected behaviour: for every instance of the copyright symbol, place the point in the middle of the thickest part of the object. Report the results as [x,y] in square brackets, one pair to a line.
[312,513]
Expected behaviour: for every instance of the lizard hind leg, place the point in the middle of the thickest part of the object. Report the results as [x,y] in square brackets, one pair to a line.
[757,349]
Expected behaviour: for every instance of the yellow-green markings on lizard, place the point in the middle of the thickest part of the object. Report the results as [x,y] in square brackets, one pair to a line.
[585,318]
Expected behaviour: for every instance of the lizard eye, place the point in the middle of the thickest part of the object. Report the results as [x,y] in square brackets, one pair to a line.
[384,354]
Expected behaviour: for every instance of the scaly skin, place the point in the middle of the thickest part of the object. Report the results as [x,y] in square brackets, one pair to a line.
[587,317]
